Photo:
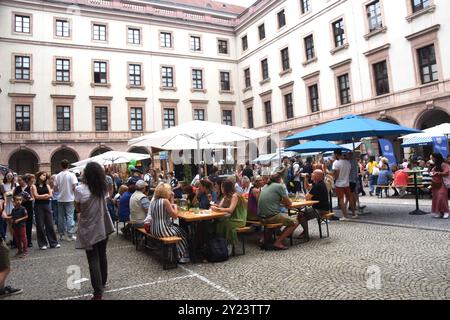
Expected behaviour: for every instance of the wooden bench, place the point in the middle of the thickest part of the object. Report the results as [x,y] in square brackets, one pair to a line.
[385,188]
[169,255]
[242,234]
[324,218]
[255,223]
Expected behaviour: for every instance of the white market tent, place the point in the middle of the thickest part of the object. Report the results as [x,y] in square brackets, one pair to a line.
[112,157]
[426,137]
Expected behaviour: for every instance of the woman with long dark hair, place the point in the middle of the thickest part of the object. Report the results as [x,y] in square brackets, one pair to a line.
[94,224]
[439,174]
[6,190]
[236,208]
[42,193]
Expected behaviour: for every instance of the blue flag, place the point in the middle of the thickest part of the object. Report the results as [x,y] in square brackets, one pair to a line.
[388,151]
[440,146]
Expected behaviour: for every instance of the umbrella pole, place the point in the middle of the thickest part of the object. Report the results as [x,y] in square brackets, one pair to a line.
[198,155]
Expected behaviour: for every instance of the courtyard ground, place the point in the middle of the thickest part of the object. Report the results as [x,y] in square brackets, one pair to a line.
[385,255]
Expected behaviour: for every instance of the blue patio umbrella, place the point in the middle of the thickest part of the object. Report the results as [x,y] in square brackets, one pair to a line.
[351,128]
[316,146]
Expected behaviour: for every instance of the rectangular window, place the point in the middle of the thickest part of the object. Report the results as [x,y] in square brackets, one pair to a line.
[314,98]
[339,33]
[134,74]
[305,6]
[223,46]
[99,31]
[344,89]
[262,32]
[22,23]
[62,28]
[418,5]
[169,118]
[227,117]
[100,75]
[309,48]
[63,70]
[247,79]
[250,118]
[199,114]
[167,77]
[136,119]
[63,118]
[196,43]
[374,15]
[281,19]
[428,64]
[268,111]
[244,43]
[22,118]
[22,68]
[289,105]
[197,79]
[381,78]
[134,36]
[225,81]
[285,59]
[101,118]
[165,39]
[265,69]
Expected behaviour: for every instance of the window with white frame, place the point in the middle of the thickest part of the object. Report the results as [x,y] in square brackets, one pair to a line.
[22,23]
[62,70]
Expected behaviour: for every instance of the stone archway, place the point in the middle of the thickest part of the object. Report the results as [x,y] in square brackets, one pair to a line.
[432,118]
[61,154]
[24,161]
[429,119]
[396,142]
[99,151]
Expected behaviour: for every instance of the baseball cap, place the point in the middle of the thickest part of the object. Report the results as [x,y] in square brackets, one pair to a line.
[141,184]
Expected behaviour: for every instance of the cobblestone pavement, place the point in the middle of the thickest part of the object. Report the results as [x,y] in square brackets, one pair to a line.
[412,263]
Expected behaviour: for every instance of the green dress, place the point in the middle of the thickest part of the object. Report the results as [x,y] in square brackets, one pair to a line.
[228,226]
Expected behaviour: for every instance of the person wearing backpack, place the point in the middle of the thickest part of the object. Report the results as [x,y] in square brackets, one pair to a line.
[439,185]
[290,177]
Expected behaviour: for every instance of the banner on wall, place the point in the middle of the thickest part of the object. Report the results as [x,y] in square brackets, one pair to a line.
[388,151]
[369,148]
[440,145]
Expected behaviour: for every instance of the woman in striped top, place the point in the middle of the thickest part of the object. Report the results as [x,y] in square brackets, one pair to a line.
[158,221]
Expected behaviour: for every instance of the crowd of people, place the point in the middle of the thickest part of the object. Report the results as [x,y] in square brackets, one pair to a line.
[68,208]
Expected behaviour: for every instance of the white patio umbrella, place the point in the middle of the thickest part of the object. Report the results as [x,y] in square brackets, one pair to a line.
[196,135]
[112,157]
[426,137]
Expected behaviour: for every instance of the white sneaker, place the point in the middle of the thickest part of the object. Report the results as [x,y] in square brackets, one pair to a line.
[184,260]
[437,216]
[43,248]
[344,219]
[446,215]
[73,238]
[58,246]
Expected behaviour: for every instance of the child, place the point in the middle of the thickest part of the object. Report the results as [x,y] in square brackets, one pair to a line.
[18,218]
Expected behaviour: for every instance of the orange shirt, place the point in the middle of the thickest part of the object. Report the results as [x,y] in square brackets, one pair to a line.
[400,178]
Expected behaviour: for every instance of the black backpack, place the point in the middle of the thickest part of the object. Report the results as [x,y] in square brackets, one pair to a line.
[217,250]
